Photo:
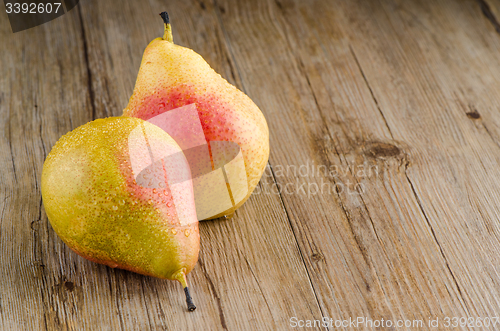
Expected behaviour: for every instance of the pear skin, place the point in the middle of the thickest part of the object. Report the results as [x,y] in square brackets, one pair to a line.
[108,193]
[171,76]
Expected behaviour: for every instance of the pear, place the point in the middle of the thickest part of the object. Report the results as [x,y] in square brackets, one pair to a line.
[118,192]
[172,77]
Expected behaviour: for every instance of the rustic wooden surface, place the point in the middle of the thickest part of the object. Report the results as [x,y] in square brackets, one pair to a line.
[400,99]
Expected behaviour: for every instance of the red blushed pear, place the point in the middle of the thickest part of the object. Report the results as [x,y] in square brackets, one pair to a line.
[170,77]
[118,192]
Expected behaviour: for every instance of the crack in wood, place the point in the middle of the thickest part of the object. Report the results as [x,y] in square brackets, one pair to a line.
[230,64]
[87,64]
[371,91]
[9,138]
[110,272]
[215,293]
[258,285]
[436,240]
[229,48]
[159,307]
[491,135]
[486,10]
[145,303]
[323,119]
[40,269]
[297,244]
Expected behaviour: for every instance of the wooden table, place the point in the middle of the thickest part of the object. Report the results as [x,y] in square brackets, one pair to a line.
[382,196]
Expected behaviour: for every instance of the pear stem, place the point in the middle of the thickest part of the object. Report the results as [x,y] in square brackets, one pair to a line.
[181,277]
[167,35]
[189,299]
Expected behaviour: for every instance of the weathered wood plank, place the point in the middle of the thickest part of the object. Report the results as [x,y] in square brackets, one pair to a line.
[397,99]
[83,66]
[225,292]
[453,180]
[43,92]
[364,87]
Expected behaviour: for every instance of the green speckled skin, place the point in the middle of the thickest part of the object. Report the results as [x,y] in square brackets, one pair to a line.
[96,207]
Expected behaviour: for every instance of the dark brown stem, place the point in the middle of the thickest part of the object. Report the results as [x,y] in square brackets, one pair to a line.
[165,17]
[189,300]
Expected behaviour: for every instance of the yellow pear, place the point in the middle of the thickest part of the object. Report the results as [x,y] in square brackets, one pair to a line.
[171,78]
[118,192]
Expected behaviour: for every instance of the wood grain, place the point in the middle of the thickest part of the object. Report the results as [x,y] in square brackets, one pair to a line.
[70,293]
[385,138]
